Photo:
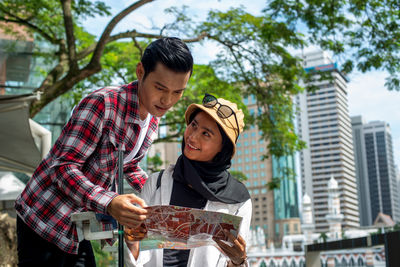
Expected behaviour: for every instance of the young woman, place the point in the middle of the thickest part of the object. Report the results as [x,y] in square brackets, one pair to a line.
[200,179]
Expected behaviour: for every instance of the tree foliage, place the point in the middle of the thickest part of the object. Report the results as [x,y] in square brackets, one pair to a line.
[254,57]
[364,32]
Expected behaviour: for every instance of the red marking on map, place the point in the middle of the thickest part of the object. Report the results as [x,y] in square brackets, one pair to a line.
[183,228]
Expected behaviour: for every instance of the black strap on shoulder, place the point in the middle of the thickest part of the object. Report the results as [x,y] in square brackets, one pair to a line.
[159,179]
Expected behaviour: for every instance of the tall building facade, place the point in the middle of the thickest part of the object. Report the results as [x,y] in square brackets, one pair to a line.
[275,211]
[376,172]
[324,124]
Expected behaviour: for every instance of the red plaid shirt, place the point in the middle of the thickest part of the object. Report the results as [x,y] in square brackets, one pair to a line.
[78,173]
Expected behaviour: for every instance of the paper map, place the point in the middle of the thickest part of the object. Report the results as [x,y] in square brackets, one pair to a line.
[176,227]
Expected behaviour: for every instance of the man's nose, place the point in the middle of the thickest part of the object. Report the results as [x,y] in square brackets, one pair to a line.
[166,99]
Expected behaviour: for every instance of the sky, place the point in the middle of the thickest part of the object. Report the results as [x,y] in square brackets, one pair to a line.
[367,96]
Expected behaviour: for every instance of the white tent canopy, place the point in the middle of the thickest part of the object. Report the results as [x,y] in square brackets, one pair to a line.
[23,142]
[10,186]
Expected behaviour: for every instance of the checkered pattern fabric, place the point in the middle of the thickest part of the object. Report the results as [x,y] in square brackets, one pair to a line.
[78,173]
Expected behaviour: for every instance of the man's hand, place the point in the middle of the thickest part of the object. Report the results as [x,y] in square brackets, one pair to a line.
[122,208]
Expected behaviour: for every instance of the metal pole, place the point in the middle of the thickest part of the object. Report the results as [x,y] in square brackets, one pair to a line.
[120,192]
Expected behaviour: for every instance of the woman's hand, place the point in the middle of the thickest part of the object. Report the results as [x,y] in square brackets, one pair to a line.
[132,238]
[135,234]
[235,252]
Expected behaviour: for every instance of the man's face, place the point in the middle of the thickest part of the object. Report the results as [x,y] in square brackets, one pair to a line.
[160,90]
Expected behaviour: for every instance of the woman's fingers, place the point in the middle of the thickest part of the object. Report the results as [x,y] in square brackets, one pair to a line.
[237,251]
[135,234]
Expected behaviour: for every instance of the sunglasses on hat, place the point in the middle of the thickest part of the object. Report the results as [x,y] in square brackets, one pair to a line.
[223,111]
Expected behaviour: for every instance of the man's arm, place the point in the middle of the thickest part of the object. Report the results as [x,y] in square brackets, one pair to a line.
[135,176]
[76,144]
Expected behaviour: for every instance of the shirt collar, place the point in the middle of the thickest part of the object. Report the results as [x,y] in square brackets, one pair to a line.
[132,101]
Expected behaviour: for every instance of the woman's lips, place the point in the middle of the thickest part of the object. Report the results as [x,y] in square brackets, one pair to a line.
[192,147]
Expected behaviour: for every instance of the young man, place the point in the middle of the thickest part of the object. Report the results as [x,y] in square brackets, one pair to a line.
[79,173]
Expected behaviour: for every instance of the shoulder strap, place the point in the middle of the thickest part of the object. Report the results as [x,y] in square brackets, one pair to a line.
[159,179]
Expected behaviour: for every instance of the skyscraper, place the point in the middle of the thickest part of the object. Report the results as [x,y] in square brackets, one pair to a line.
[276,211]
[376,173]
[324,123]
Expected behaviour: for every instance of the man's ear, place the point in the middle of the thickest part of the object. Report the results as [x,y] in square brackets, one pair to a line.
[139,71]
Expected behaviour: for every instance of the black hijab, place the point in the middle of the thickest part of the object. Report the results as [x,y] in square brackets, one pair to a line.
[211,179]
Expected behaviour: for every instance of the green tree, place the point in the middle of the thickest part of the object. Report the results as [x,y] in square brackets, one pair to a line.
[239,175]
[103,258]
[154,163]
[323,236]
[253,58]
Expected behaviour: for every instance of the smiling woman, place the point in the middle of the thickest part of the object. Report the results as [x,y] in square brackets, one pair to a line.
[200,179]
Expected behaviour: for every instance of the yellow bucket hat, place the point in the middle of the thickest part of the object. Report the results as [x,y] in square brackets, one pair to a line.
[224,112]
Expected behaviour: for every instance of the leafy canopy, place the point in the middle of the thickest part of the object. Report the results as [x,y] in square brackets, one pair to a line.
[254,52]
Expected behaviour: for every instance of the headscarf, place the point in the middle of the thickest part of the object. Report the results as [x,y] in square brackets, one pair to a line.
[212,179]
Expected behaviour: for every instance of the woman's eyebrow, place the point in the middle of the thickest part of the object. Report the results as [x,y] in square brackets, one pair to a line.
[204,127]
[208,130]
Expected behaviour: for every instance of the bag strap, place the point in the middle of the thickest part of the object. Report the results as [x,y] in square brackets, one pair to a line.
[159,179]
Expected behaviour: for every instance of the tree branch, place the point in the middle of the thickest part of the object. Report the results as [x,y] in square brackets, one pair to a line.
[26,23]
[95,60]
[69,31]
[134,34]
[138,46]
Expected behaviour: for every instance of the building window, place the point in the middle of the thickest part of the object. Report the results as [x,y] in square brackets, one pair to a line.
[285,228]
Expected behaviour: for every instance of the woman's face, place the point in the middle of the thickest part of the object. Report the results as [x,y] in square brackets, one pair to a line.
[203,140]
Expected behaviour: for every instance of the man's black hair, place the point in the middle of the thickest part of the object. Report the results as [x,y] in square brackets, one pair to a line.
[170,51]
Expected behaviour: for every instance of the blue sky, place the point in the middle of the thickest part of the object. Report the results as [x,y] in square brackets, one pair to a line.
[367,95]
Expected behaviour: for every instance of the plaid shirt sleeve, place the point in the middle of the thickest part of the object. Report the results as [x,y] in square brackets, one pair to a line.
[76,143]
[135,176]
